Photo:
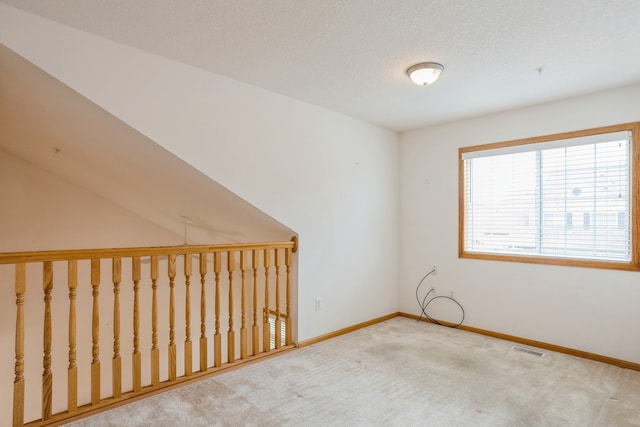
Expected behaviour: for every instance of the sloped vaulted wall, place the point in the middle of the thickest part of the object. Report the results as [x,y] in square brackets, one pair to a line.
[330,178]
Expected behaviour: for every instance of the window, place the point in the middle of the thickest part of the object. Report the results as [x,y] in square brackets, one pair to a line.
[568,199]
[272,329]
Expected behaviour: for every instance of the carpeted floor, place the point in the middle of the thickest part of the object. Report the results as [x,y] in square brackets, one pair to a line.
[399,373]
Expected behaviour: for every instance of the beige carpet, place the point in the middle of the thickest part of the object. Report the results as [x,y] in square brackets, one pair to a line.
[399,373]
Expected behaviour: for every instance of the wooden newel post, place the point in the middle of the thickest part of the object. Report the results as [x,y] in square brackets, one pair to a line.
[136,356]
[255,329]
[278,323]
[188,345]
[172,318]
[217,340]
[72,376]
[287,260]
[116,363]
[266,332]
[18,383]
[203,314]
[47,376]
[231,334]
[155,351]
[95,332]
[243,305]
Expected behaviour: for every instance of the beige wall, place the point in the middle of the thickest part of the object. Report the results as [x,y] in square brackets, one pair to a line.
[42,211]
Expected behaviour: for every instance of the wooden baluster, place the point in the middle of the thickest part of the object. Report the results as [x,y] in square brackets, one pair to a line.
[72,375]
[287,261]
[243,304]
[116,363]
[18,383]
[137,356]
[203,314]
[255,331]
[217,340]
[47,376]
[188,345]
[278,327]
[231,335]
[266,332]
[172,318]
[155,351]
[95,332]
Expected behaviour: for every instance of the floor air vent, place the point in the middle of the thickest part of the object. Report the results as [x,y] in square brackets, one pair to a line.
[527,350]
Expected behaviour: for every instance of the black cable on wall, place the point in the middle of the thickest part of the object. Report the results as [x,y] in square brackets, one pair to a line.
[424,303]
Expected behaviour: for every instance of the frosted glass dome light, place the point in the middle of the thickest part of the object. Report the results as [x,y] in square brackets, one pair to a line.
[425,73]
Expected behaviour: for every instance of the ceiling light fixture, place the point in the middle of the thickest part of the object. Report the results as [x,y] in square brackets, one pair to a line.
[425,73]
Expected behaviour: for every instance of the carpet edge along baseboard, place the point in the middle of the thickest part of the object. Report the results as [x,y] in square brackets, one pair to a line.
[533,343]
[539,344]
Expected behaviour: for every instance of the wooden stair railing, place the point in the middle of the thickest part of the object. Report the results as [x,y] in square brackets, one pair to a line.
[135,285]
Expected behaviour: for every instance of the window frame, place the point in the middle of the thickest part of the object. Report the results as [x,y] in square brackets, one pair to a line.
[634,191]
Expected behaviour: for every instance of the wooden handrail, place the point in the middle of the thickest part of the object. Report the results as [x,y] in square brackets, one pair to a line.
[244,279]
[78,254]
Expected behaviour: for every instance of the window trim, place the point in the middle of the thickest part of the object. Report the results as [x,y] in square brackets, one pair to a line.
[632,265]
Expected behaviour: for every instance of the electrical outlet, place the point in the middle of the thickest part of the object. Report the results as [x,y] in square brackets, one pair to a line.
[318,303]
[434,269]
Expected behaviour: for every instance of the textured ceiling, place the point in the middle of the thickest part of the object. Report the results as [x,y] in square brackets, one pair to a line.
[351,55]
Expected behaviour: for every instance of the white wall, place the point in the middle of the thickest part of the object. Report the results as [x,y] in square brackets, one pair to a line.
[331,178]
[586,309]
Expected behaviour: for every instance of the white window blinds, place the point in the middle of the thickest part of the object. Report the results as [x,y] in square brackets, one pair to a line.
[566,198]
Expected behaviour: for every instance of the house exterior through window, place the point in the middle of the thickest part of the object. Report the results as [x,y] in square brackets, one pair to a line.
[561,199]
